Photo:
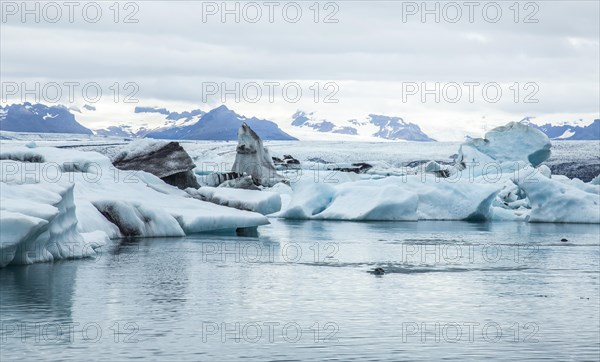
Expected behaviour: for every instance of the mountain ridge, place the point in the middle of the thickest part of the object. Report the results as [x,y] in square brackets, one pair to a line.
[220,123]
[27,117]
[374,125]
[568,132]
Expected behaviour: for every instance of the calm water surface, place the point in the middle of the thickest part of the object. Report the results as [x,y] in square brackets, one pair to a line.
[306,291]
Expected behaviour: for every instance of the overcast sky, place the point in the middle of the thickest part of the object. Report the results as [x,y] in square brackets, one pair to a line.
[365,56]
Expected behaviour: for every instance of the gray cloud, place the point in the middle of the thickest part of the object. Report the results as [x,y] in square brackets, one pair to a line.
[369,53]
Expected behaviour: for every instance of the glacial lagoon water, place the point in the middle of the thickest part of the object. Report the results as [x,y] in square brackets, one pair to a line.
[305,291]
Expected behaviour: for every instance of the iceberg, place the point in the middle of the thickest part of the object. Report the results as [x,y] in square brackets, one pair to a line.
[253,159]
[38,223]
[242,182]
[308,200]
[263,202]
[96,197]
[439,170]
[577,183]
[512,142]
[217,178]
[554,201]
[478,187]
[407,198]
[362,202]
[166,160]
[287,162]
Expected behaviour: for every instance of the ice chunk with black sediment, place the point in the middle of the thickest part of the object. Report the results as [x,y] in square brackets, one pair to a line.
[166,160]
[253,159]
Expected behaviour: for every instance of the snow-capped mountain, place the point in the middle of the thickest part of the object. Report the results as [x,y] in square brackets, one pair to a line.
[123,130]
[174,119]
[220,123]
[142,127]
[40,118]
[377,126]
[302,119]
[569,132]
